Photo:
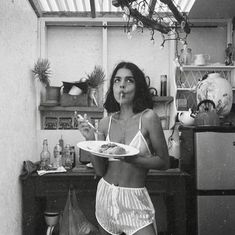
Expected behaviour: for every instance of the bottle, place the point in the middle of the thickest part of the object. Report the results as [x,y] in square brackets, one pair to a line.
[67,162]
[163,85]
[57,156]
[45,156]
[61,143]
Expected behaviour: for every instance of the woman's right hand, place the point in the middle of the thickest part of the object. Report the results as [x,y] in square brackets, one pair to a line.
[86,130]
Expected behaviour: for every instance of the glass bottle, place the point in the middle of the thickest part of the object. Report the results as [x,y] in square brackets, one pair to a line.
[67,163]
[57,156]
[45,156]
[61,143]
[163,85]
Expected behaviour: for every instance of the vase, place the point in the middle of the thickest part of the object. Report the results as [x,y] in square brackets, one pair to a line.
[43,93]
[52,95]
[92,97]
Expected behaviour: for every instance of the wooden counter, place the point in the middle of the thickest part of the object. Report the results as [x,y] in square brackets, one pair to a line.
[50,192]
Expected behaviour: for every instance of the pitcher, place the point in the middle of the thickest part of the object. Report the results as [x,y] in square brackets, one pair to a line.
[201,59]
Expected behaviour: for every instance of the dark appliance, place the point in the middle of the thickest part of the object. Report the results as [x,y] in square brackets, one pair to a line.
[208,154]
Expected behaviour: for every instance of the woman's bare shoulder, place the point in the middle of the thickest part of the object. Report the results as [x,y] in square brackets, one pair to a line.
[150,114]
[151,118]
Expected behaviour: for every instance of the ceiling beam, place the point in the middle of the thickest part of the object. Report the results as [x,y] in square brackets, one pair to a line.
[82,14]
[92,4]
[36,7]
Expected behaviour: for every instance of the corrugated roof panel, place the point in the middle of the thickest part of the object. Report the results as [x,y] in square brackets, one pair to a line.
[60,5]
[104,5]
[71,5]
[54,5]
[87,5]
[44,5]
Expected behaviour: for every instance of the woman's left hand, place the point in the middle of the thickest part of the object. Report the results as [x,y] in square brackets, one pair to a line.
[129,159]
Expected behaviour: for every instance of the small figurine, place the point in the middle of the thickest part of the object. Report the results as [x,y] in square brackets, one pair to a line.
[229,54]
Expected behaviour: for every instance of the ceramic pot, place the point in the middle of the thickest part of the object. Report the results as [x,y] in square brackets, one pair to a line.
[51,218]
[43,93]
[52,95]
[201,59]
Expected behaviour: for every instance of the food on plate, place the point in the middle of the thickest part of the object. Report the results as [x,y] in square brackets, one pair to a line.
[112,148]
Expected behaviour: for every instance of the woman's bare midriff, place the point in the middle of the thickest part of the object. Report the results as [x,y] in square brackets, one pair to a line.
[125,175]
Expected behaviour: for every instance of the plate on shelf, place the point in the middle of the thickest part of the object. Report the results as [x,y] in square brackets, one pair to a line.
[95,147]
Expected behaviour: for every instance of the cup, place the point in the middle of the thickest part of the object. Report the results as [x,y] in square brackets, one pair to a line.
[201,59]
[51,218]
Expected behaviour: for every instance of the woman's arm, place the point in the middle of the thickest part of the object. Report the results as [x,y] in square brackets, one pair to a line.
[99,163]
[159,160]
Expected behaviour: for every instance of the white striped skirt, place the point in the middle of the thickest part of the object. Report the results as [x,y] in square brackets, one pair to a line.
[122,209]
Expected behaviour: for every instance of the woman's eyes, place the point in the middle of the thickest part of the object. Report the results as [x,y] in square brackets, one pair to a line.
[116,80]
[127,79]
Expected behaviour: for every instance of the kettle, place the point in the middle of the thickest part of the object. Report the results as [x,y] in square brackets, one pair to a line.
[186,117]
[206,114]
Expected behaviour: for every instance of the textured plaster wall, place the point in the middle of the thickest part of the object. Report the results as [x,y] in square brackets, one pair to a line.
[74,51]
[140,50]
[18,50]
[210,41]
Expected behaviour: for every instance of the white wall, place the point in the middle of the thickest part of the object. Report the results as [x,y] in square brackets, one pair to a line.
[210,41]
[141,51]
[18,33]
[74,51]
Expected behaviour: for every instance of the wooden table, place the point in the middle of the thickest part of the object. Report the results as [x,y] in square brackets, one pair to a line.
[49,192]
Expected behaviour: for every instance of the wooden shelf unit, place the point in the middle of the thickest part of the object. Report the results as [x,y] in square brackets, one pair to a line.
[59,117]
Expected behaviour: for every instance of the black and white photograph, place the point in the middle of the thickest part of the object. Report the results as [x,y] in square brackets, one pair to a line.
[120,118]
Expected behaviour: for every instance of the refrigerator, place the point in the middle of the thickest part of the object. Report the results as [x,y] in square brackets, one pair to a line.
[215,181]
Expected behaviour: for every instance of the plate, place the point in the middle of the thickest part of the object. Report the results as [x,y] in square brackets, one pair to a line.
[94,146]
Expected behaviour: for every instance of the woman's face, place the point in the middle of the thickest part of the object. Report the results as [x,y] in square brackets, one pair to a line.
[124,86]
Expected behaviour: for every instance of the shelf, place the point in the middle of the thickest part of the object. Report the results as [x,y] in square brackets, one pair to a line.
[60,117]
[71,109]
[186,89]
[210,67]
[187,78]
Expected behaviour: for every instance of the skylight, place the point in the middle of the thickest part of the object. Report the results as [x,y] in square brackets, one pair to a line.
[92,6]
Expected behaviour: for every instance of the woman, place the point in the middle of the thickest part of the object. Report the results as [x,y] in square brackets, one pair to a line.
[122,201]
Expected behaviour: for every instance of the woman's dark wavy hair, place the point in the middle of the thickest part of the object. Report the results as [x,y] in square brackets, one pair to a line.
[142,98]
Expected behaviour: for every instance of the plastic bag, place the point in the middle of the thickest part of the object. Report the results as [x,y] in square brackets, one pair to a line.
[73,220]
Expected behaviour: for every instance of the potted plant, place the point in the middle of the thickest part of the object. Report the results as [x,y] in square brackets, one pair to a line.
[94,80]
[42,71]
[49,94]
